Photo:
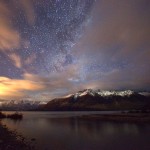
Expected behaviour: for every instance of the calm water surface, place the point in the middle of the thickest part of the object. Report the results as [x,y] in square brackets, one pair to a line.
[65,131]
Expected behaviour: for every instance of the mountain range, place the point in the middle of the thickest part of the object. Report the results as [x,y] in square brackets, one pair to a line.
[18,105]
[89,99]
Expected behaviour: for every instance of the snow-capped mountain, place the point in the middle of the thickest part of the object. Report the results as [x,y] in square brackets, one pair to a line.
[101,93]
[90,99]
[87,99]
[20,104]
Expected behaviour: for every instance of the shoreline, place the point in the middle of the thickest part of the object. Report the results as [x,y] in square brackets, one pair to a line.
[11,140]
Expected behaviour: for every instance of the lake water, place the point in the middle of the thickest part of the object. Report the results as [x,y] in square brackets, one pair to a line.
[65,131]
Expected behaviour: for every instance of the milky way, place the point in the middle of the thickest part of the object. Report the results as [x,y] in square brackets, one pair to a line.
[47,34]
[50,48]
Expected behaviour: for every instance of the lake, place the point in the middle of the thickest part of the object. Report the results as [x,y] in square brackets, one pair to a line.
[65,131]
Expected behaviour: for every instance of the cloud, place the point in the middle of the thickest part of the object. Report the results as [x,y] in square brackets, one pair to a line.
[16,60]
[30,59]
[117,39]
[17,88]
[20,63]
[29,11]
[118,23]
[9,37]
[53,85]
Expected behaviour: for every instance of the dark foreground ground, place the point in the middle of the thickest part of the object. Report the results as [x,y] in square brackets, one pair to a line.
[12,141]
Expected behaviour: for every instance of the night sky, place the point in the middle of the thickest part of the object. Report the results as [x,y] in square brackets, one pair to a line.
[50,48]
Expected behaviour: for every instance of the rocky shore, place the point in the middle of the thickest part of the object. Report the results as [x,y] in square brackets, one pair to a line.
[10,140]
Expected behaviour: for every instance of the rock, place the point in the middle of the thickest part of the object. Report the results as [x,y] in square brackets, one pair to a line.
[33,139]
[1,141]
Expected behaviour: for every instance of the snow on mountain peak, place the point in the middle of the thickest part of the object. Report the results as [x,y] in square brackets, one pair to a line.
[85,92]
[116,93]
[103,93]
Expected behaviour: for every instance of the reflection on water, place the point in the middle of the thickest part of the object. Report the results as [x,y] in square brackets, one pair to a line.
[65,131]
